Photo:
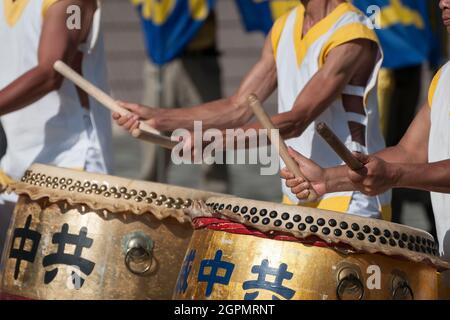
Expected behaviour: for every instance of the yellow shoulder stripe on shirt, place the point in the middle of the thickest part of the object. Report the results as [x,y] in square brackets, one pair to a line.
[13,10]
[46,4]
[319,29]
[346,34]
[433,86]
[277,30]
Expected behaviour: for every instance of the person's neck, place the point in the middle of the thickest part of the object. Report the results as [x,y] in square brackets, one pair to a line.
[316,10]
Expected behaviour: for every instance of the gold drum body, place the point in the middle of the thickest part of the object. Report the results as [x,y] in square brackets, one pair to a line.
[225,266]
[100,270]
[444,285]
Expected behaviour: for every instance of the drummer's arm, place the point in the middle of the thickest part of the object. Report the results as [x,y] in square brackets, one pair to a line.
[434,177]
[57,42]
[413,147]
[343,64]
[402,166]
[408,161]
[225,113]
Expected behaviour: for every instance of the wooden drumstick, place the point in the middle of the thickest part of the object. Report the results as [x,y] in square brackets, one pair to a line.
[265,121]
[341,150]
[156,139]
[151,134]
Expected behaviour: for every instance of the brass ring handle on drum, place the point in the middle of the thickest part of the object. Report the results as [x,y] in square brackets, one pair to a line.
[350,279]
[402,286]
[139,250]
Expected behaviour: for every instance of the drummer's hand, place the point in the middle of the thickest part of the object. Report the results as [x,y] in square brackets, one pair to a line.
[312,172]
[138,113]
[376,177]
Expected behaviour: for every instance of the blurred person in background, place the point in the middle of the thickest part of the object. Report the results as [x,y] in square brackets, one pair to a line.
[47,120]
[409,41]
[182,70]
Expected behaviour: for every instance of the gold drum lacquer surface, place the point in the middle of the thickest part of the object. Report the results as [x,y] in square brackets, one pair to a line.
[224,266]
[58,251]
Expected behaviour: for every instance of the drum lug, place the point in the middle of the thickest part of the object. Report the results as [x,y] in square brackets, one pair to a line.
[138,250]
[348,278]
[401,290]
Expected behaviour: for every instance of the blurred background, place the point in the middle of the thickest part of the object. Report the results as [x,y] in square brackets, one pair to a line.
[237,50]
[206,59]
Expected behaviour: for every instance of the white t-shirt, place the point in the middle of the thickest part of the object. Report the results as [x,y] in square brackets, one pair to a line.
[439,150]
[298,60]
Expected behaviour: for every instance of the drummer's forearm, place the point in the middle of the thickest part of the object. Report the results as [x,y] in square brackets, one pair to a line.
[254,135]
[238,135]
[396,154]
[219,114]
[337,177]
[289,124]
[244,138]
[433,177]
[337,180]
[28,88]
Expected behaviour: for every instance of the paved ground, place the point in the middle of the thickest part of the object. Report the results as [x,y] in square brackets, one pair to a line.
[239,51]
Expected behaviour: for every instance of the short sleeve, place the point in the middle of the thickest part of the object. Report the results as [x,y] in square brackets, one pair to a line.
[347,33]
[277,30]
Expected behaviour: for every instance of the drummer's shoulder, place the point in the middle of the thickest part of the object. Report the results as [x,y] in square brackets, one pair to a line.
[49,4]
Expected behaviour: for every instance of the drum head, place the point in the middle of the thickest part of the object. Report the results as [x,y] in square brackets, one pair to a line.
[358,233]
